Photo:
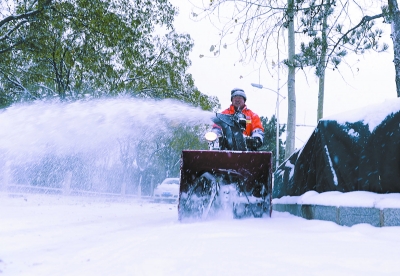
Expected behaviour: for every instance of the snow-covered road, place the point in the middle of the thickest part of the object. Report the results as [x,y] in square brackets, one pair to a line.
[65,235]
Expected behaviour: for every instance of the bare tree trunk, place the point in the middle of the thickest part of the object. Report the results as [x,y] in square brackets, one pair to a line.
[291,120]
[395,13]
[321,68]
[321,91]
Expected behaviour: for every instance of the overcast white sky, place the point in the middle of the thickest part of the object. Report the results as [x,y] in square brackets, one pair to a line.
[372,79]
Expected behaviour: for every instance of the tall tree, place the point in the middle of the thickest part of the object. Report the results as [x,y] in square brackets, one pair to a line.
[393,16]
[328,30]
[93,48]
[291,121]
[257,26]
[332,31]
[270,132]
[12,25]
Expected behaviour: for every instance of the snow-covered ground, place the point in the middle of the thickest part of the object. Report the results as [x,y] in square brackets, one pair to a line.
[65,235]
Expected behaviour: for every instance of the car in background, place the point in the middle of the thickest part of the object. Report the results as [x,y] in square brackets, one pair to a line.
[168,190]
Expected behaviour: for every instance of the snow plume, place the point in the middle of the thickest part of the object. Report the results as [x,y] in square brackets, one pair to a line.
[88,125]
[95,140]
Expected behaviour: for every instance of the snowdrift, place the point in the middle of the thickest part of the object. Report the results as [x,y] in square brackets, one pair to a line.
[352,151]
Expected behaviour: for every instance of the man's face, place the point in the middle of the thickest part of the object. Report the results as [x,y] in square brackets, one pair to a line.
[238,102]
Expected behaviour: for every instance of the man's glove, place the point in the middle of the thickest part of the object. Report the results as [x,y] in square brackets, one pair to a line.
[257,142]
[253,143]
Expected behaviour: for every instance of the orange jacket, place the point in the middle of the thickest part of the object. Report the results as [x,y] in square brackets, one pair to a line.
[252,120]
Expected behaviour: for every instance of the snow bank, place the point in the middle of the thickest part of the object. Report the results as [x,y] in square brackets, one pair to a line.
[349,199]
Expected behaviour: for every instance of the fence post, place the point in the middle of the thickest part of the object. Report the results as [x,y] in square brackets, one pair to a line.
[67,183]
[152,186]
[140,187]
[6,181]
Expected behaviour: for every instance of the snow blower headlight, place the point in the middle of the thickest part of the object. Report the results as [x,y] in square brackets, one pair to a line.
[211,136]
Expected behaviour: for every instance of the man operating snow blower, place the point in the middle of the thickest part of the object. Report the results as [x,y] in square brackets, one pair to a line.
[231,176]
[250,121]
